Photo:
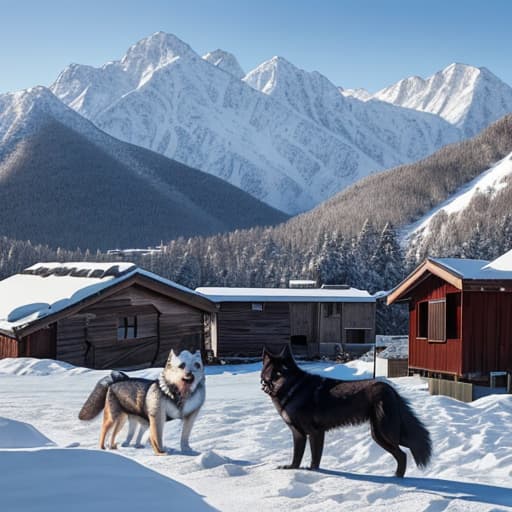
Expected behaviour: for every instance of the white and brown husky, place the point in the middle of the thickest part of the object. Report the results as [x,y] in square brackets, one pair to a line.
[178,393]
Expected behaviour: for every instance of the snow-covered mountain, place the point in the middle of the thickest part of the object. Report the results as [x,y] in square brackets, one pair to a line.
[488,184]
[468,97]
[66,183]
[389,135]
[285,136]
[225,61]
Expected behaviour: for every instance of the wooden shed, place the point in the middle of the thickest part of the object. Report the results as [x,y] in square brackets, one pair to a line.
[460,317]
[313,321]
[99,315]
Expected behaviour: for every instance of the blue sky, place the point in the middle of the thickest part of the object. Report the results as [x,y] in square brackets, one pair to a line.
[361,43]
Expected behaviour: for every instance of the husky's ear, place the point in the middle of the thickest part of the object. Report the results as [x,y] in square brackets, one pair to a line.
[172,356]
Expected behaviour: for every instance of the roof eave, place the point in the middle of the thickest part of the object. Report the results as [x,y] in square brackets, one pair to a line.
[418,275]
[155,285]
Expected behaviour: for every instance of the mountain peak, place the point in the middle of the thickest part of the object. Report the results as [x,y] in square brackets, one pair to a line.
[225,61]
[466,96]
[155,51]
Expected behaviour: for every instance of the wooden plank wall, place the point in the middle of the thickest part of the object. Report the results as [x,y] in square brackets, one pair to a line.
[303,320]
[90,338]
[358,315]
[8,347]
[243,332]
[435,357]
[487,331]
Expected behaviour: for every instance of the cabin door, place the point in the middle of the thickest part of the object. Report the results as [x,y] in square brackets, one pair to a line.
[330,322]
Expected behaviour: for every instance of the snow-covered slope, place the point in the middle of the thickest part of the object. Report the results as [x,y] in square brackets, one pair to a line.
[239,440]
[291,151]
[88,189]
[359,93]
[468,97]
[225,61]
[487,183]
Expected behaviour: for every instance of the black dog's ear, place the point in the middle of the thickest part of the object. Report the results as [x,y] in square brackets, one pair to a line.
[266,353]
[286,352]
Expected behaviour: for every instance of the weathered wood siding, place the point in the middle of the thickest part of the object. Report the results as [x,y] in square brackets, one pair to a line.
[398,368]
[445,357]
[358,315]
[8,347]
[242,331]
[487,332]
[329,322]
[41,343]
[90,337]
[303,320]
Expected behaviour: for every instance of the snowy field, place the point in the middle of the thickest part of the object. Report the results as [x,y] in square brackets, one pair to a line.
[49,460]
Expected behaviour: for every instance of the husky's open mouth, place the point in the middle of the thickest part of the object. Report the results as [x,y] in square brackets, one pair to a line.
[188,379]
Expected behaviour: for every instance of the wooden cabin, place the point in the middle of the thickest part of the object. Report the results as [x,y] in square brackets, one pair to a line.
[99,315]
[314,321]
[460,318]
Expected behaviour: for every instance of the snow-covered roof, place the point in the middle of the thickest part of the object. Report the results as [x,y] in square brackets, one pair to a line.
[456,271]
[500,268]
[226,294]
[397,349]
[48,288]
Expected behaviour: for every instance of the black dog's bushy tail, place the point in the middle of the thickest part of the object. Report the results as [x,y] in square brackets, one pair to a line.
[96,400]
[414,435]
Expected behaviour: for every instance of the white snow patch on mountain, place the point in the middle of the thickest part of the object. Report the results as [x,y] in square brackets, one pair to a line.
[489,183]
[225,61]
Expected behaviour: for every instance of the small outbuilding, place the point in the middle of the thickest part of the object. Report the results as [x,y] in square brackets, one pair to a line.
[99,315]
[460,318]
[392,355]
[313,320]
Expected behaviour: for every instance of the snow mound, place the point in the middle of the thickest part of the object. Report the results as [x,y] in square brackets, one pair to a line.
[58,480]
[17,434]
[211,459]
[32,366]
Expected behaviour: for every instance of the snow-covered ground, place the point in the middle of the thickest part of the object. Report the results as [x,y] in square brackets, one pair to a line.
[49,460]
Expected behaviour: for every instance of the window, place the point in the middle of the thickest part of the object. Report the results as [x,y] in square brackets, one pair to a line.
[422,327]
[127,328]
[355,335]
[331,309]
[452,321]
[256,306]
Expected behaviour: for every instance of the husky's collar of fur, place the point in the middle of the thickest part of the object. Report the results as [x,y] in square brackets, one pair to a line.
[171,391]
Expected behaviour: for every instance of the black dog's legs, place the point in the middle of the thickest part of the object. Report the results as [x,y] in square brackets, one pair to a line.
[316,442]
[299,445]
[392,448]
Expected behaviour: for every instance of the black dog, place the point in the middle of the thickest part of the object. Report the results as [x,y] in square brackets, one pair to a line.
[311,405]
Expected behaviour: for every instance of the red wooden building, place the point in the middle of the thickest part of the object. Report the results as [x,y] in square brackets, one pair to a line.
[460,317]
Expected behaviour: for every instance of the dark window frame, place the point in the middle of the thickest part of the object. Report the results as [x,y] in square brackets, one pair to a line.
[452,316]
[422,320]
[127,328]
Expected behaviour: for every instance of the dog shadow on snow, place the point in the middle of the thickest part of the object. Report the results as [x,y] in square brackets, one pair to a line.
[446,489]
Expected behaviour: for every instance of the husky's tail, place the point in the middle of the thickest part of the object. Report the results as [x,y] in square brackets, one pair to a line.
[96,401]
[414,435]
